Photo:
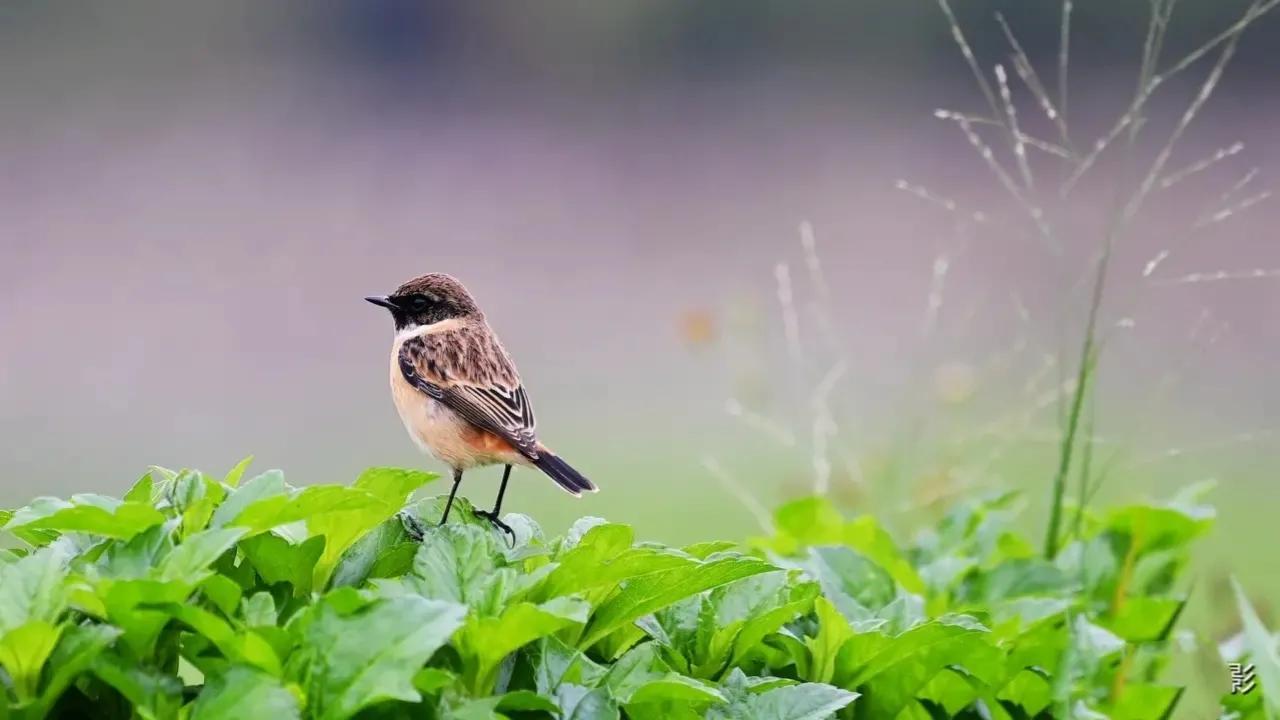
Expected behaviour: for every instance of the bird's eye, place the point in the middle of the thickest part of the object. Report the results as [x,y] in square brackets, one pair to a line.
[420,303]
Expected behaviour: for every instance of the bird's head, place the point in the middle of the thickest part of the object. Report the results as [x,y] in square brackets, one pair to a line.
[427,300]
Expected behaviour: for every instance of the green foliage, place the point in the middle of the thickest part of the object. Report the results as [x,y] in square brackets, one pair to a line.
[199,598]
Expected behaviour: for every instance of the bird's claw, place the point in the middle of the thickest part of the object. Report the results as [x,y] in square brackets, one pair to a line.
[493,518]
[413,527]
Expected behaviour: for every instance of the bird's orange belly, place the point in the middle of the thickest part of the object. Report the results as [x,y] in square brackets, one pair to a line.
[443,433]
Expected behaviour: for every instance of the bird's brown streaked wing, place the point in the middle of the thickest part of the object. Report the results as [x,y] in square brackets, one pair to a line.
[489,397]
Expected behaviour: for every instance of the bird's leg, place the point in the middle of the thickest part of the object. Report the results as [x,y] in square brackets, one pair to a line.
[457,479]
[492,516]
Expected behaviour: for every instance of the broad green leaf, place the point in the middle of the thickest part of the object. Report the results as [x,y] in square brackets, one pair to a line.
[804,701]
[894,668]
[354,658]
[191,559]
[138,557]
[674,687]
[77,649]
[341,527]
[33,588]
[484,642]
[734,618]
[526,701]
[856,585]
[279,561]
[245,693]
[1158,528]
[647,593]
[824,648]
[554,663]
[91,514]
[455,563]
[260,610]
[358,562]
[155,695]
[121,600]
[703,549]
[141,490]
[804,522]
[637,667]
[269,484]
[580,703]
[223,592]
[303,505]
[1261,646]
[1019,578]
[865,535]
[1144,701]
[23,652]
[1145,619]
[393,485]
[240,647]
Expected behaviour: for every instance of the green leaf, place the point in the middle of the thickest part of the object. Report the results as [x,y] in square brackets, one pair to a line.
[260,610]
[388,540]
[223,592]
[247,647]
[1145,619]
[804,701]
[269,484]
[804,522]
[581,703]
[1144,701]
[865,535]
[484,642]
[190,560]
[554,662]
[1261,647]
[90,514]
[389,487]
[856,585]
[824,648]
[1159,528]
[279,561]
[526,701]
[352,658]
[233,476]
[647,593]
[77,649]
[33,588]
[891,670]
[637,667]
[245,693]
[455,563]
[155,695]
[23,652]
[302,505]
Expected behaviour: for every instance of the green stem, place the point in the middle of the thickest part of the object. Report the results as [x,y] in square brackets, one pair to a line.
[1083,375]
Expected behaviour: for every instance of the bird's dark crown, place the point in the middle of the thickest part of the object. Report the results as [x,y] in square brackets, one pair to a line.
[427,300]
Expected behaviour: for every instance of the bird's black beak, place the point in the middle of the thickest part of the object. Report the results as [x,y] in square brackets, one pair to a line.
[382,300]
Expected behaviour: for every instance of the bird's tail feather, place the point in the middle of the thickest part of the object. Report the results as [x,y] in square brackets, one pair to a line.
[574,482]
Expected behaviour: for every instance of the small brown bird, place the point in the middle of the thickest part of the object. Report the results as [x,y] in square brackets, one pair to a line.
[458,392]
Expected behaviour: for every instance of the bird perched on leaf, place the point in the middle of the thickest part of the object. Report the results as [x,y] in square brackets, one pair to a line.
[458,392]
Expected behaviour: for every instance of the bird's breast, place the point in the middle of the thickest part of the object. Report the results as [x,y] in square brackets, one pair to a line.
[440,431]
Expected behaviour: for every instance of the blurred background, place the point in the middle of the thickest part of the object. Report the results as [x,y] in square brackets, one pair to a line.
[196,196]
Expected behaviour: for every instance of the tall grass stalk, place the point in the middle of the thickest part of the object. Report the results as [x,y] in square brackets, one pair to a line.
[1125,130]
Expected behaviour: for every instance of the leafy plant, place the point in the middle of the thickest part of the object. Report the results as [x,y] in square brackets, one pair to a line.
[201,598]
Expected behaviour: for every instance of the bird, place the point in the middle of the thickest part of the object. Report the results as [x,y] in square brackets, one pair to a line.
[457,390]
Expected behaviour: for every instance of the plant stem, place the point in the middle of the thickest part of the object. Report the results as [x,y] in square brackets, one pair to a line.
[1083,377]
